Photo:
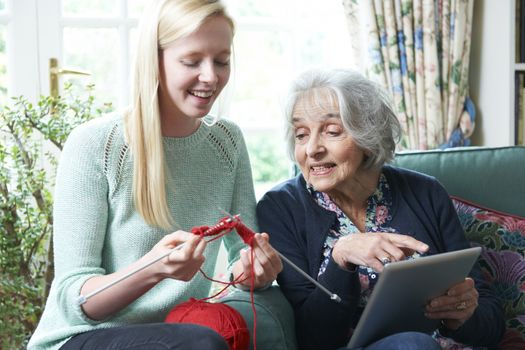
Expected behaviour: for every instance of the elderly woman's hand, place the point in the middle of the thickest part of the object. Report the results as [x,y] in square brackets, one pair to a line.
[375,249]
[267,263]
[456,306]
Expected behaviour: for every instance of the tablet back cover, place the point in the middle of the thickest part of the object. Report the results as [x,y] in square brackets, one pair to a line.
[398,301]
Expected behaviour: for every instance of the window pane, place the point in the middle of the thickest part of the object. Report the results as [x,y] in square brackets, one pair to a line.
[268,158]
[92,8]
[327,43]
[133,32]
[257,8]
[318,9]
[136,7]
[322,49]
[3,64]
[2,5]
[259,78]
[84,50]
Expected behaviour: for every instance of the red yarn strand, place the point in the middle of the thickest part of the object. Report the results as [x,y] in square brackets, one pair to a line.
[234,335]
[252,287]
[226,284]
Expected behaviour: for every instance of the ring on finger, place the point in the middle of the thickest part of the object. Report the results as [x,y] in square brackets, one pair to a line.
[385,260]
[461,306]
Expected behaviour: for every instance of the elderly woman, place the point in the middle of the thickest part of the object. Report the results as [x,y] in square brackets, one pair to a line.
[348,212]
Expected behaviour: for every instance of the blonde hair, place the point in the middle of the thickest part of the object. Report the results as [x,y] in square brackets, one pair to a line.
[163,22]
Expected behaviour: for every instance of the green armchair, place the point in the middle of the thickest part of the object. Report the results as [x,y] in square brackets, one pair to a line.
[490,177]
[487,186]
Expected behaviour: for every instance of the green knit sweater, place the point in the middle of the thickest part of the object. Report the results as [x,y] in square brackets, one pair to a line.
[97,230]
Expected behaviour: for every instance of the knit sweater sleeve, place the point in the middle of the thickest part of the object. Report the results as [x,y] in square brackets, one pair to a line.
[80,216]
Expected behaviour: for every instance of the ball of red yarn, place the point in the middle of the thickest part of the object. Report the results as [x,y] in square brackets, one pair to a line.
[222,318]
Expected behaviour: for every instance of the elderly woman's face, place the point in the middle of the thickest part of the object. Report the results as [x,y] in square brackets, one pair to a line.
[327,155]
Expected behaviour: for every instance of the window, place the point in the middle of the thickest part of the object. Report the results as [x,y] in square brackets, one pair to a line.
[98,36]
[274,41]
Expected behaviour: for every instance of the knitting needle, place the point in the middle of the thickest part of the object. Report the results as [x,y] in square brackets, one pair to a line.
[333,296]
[83,298]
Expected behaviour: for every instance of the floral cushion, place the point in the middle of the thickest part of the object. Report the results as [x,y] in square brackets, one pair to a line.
[502,237]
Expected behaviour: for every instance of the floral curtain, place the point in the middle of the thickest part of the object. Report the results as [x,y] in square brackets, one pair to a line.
[419,50]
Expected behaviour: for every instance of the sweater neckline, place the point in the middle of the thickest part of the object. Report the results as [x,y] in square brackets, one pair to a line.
[178,143]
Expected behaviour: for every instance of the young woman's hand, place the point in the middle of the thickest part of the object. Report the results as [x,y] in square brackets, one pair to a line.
[182,264]
[267,263]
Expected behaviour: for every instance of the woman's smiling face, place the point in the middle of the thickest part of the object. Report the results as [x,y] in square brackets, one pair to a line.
[325,152]
[195,69]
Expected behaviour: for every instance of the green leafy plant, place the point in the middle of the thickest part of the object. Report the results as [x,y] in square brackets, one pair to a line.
[31,136]
[269,163]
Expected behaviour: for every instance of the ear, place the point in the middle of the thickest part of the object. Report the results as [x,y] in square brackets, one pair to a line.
[160,55]
[366,157]
[161,64]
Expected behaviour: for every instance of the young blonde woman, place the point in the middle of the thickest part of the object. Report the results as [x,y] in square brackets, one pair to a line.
[125,183]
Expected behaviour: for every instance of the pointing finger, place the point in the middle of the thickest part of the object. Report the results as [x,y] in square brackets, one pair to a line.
[404,241]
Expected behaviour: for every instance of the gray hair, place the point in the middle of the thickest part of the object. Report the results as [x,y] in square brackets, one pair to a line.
[365,110]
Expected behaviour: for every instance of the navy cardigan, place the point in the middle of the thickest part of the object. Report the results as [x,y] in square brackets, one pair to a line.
[298,228]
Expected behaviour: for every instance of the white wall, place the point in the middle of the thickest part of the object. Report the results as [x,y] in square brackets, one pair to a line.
[491,72]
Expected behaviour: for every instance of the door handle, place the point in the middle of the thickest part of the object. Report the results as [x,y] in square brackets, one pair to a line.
[55,72]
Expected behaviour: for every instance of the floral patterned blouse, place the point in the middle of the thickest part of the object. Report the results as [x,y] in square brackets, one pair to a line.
[377,214]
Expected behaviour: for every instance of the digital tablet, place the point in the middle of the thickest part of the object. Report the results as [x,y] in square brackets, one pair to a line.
[397,303]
